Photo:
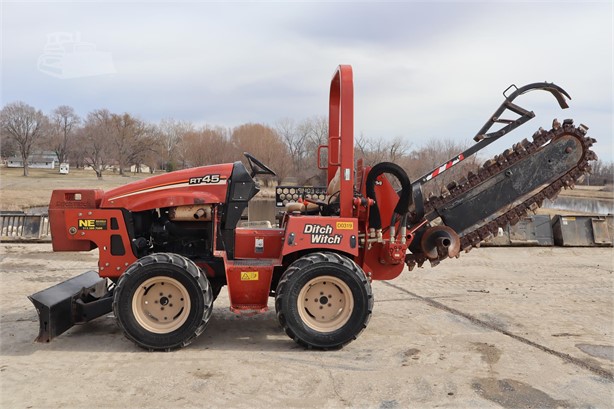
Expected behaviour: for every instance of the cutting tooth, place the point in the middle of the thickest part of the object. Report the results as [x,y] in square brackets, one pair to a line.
[556,124]
[519,148]
[538,133]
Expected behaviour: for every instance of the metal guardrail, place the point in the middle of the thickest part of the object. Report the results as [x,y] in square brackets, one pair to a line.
[19,226]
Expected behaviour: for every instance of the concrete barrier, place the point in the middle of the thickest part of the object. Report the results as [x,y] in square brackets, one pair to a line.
[18,226]
[532,230]
[580,230]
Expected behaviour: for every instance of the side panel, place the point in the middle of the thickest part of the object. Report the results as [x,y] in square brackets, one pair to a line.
[105,229]
[63,200]
[258,243]
[322,233]
[206,184]
[249,285]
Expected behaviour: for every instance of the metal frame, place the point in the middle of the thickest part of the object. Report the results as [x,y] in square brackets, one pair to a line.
[483,138]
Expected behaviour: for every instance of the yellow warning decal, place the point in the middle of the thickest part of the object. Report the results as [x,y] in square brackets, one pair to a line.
[92,224]
[345,225]
[249,276]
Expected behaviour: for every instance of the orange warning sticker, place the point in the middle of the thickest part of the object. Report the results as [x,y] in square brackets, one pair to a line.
[249,276]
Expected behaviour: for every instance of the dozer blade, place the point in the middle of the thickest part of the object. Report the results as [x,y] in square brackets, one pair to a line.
[75,301]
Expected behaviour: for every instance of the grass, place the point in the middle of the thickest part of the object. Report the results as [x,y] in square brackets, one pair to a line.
[18,192]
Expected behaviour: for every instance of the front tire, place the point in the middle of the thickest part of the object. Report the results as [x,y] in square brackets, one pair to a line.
[162,302]
[324,300]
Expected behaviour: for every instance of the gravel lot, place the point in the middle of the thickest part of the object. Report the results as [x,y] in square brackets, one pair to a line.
[500,327]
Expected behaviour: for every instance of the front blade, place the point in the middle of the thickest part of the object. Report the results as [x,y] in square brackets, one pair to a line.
[55,305]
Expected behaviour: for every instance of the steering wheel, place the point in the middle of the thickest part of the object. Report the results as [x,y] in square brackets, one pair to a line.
[258,168]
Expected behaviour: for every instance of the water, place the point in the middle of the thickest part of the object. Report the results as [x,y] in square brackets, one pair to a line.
[580,204]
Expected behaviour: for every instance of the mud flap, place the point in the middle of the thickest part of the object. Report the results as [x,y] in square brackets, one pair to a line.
[75,301]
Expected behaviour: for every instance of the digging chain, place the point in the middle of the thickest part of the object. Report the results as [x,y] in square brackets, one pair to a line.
[502,162]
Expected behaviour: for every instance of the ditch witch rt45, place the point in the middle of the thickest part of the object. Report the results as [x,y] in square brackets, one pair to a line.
[168,244]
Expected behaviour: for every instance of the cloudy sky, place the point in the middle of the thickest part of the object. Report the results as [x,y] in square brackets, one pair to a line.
[421,69]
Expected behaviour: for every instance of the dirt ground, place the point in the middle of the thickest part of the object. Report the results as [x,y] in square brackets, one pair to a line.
[500,327]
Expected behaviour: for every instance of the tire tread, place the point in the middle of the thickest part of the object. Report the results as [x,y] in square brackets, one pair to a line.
[185,264]
[295,268]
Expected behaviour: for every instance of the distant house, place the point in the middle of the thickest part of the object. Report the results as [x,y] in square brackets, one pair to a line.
[139,169]
[38,160]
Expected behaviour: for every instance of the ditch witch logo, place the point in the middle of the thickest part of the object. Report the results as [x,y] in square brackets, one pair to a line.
[322,234]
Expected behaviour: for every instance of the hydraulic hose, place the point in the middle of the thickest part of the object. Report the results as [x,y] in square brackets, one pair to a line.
[405,196]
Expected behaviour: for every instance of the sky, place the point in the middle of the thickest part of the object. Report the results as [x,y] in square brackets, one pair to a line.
[422,70]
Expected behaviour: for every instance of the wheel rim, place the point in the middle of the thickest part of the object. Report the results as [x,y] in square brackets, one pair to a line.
[325,303]
[161,305]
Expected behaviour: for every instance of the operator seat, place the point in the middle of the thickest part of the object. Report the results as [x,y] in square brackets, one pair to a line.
[307,207]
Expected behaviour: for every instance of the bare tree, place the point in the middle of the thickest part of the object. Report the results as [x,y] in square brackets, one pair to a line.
[376,150]
[318,126]
[25,126]
[206,146]
[148,150]
[171,133]
[434,153]
[361,145]
[8,147]
[602,173]
[397,149]
[63,126]
[295,138]
[265,144]
[128,138]
[95,141]
[318,135]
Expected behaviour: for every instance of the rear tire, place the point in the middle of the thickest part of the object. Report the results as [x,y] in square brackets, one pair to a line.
[163,301]
[324,301]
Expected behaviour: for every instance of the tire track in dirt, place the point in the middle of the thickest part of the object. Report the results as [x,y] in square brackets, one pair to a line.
[601,372]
